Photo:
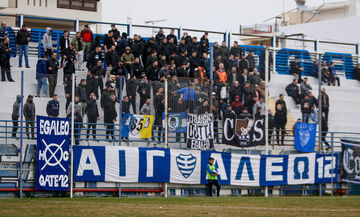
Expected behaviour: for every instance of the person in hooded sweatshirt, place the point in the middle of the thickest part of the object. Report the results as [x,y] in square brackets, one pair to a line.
[236,105]
[15,115]
[47,42]
[29,114]
[41,75]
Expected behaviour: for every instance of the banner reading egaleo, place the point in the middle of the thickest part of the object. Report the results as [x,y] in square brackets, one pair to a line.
[200,131]
[52,172]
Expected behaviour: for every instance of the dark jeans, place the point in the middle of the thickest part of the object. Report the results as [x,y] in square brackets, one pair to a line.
[159,132]
[48,53]
[323,139]
[282,131]
[15,126]
[91,124]
[133,104]
[77,131]
[178,136]
[325,110]
[100,84]
[6,71]
[30,125]
[270,132]
[142,102]
[110,130]
[210,185]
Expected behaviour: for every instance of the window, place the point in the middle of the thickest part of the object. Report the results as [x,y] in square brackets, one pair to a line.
[86,5]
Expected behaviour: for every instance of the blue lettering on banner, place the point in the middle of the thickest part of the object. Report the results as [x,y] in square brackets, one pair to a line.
[222,165]
[154,165]
[326,168]
[52,154]
[273,170]
[89,163]
[122,164]
[245,162]
[305,173]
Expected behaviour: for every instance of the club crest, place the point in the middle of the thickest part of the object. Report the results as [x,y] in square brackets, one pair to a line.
[242,128]
[186,164]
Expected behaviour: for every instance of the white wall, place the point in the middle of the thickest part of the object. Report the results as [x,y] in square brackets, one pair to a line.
[341,30]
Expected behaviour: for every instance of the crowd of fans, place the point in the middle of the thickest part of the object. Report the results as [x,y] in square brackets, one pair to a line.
[142,66]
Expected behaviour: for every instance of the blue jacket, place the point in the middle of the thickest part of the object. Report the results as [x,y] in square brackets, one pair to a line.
[52,108]
[188,94]
[41,69]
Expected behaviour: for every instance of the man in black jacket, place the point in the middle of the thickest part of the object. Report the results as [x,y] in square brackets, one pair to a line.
[111,59]
[53,67]
[91,85]
[110,116]
[234,91]
[22,41]
[251,59]
[94,57]
[296,69]
[108,40]
[236,50]
[131,87]
[144,91]
[99,73]
[5,51]
[63,44]
[137,68]
[172,36]
[293,90]
[92,113]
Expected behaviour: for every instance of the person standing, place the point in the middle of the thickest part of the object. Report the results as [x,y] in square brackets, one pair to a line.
[3,31]
[144,91]
[41,75]
[47,42]
[212,175]
[82,93]
[131,87]
[159,109]
[29,114]
[110,117]
[306,110]
[79,46]
[78,118]
[53,106]
[22,43]
[5,51]
[15,115]
[111,61]
[325,103]
[53,67]
[92,113]
[280,123]
[64,44]
[271,125]
[87,37]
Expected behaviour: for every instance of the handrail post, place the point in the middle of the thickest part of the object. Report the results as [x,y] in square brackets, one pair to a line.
[332,159]
[72,134]
[120,109]
[320,108]
[21,131]
[266,107]
[6,123]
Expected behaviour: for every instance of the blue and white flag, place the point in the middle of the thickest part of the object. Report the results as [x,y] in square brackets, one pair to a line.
[137,126]
[176,122]
[52,153]
[305,136]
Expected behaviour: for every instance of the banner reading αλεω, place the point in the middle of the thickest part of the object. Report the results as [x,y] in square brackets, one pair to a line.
[200,131]
[52,153]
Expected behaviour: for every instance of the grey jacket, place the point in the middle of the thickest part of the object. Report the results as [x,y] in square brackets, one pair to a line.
[16,107]
[145,109]
[77,115]
[47,40]
[29,110]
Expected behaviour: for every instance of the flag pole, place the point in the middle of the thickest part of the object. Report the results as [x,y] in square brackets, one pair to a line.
[72,134]
[266,107]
